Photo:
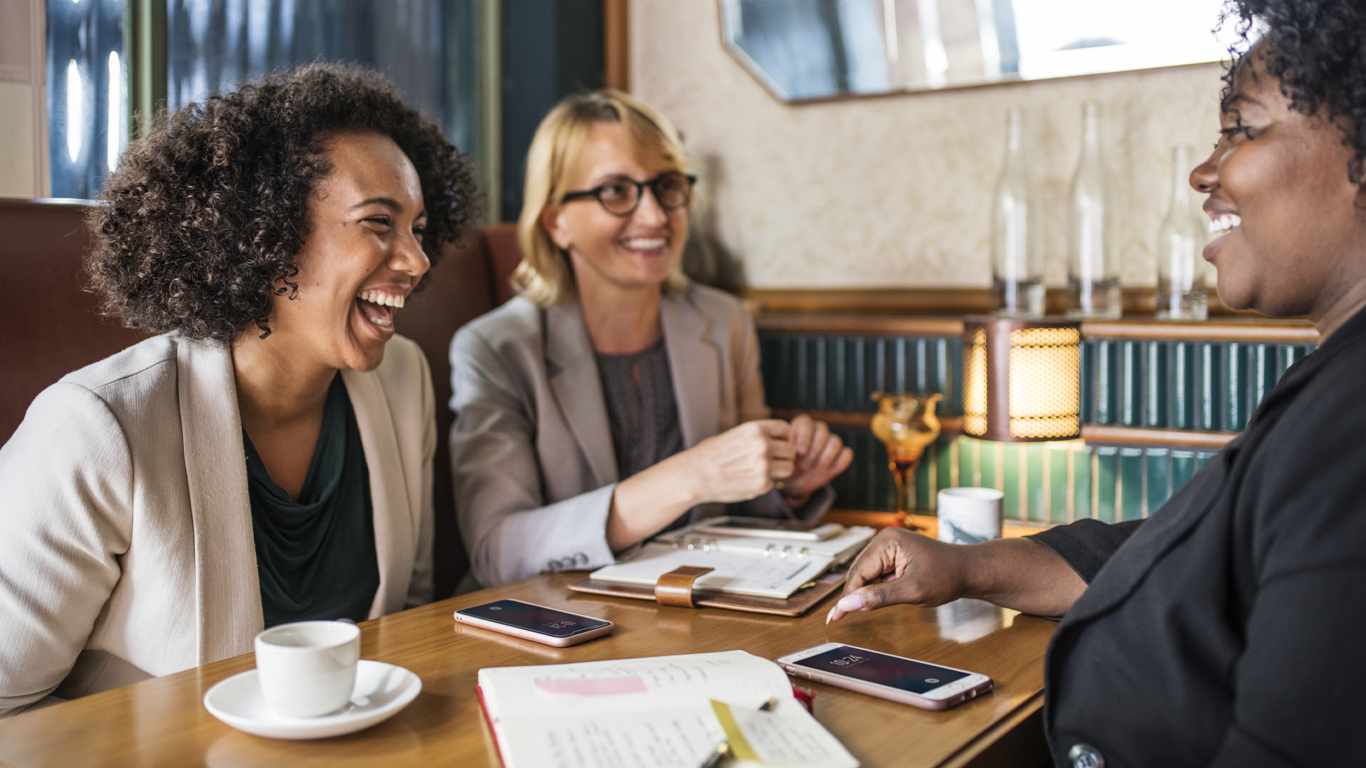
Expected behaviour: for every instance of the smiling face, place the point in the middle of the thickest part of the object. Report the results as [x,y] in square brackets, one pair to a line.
[362,257]
[635,252]
[1290,230]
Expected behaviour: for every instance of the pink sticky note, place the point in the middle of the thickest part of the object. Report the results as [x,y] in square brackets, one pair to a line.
[598,686]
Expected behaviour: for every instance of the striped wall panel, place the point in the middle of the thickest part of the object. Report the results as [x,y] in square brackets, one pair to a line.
[1197,385]
[839,373]
[1180,384]
[1043,483]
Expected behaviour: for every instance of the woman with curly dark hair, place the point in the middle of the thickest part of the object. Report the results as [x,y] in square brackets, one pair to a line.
[1226,629]
[268,458]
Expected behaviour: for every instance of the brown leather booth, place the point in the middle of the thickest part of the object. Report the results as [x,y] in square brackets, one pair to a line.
[49,325]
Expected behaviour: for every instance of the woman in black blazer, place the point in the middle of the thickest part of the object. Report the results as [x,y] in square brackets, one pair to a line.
[1226,629]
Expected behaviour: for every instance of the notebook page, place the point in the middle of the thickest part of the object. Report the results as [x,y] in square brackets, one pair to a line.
[788,735]
[667,738]
[740,573]
[847,544]
[595,688]
[675,737]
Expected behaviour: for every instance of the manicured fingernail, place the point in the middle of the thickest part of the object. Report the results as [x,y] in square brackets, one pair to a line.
[831,613]
[852,602]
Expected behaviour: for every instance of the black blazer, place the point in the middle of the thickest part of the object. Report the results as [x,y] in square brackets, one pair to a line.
[1229,628]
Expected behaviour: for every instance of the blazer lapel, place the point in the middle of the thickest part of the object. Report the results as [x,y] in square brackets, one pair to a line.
[229,595]
[695,367]
[573,373]
[394,513]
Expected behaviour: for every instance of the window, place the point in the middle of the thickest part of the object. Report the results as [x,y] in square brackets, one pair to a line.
[87,102]
[429,48]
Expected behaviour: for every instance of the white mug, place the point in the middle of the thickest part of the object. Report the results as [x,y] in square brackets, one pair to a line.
[969,515]
[308,668]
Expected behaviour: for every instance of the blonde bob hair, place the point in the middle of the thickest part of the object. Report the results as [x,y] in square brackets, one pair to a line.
[545,277]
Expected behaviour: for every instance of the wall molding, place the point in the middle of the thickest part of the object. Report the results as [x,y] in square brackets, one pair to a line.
[1141,301]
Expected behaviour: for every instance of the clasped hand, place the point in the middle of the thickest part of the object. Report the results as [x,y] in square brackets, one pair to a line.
[745,461]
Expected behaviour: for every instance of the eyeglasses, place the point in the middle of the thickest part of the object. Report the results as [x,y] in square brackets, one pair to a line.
[621,195]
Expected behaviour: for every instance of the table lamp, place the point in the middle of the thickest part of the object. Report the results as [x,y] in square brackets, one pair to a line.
[1021,379]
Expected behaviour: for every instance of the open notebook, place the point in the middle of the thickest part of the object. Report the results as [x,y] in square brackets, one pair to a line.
[665,711]
[743,565]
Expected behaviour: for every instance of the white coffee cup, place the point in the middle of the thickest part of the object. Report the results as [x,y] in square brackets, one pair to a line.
[308,668]
[969,515]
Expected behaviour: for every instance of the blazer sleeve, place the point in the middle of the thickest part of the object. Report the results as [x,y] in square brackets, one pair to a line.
[66,481]
[1086,545]
[508,529]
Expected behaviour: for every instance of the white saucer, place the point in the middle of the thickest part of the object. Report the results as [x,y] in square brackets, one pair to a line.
[381,691]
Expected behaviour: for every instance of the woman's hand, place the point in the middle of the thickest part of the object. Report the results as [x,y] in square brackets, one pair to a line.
[900,566]
[820,457]
[736,465]
[742,462]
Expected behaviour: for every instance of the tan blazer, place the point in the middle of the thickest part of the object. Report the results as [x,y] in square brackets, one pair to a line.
[531,448]
[127,546]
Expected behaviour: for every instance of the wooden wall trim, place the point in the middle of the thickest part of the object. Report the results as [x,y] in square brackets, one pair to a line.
[937,301]
[1141,436]
[616,58]
[949,425]
[887,301]
[1227,329]
[1252,331]
[874,325]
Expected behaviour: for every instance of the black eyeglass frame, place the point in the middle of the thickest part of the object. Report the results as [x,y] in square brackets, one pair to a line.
[652,184]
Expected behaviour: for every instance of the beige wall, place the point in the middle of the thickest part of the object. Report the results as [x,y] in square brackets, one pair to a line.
[896,191]
[23,132]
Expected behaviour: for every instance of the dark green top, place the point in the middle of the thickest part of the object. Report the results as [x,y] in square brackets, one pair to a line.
[316,557]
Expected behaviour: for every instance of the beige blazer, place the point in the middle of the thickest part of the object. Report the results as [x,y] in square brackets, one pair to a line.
[531,448]
[127,549]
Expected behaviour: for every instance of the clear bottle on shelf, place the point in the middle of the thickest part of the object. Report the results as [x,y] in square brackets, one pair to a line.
[1092,259]
[1016,232]
[1180,268]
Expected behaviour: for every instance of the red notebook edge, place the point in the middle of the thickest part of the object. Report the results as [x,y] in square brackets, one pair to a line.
[488,718]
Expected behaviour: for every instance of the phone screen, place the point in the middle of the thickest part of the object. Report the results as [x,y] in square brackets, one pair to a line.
[536,618]
[880,668]
[766,524]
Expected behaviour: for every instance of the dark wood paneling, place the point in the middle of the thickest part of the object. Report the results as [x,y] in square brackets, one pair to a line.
[939,301]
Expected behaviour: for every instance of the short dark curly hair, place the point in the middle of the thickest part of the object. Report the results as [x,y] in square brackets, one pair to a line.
[1317,49]
[204,216]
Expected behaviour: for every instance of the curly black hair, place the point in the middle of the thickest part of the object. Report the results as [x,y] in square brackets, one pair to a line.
[205,215]
[1317,49]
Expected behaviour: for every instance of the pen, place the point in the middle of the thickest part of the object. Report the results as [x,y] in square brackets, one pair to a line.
[721,754]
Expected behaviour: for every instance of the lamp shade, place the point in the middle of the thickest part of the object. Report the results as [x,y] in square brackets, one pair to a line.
[1021,379]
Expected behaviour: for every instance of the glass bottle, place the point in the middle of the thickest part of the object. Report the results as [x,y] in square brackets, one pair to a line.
[1016,233]
[1180,268]
[1092,259]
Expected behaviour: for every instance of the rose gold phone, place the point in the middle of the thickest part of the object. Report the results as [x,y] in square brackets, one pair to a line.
[534,622]
[897,678]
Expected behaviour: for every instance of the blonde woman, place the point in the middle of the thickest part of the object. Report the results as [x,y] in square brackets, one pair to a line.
[613,399]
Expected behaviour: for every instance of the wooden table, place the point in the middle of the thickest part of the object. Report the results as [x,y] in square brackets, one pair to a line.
[162,721]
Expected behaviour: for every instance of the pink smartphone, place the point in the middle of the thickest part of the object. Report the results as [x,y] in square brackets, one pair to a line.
[534,622]
[896,678]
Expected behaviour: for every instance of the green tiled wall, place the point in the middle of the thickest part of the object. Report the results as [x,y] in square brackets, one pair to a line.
[1043,483]
[1143,383]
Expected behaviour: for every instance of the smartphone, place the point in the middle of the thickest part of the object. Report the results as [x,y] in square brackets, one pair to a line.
[534,622]
[897,678]
[772,528]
